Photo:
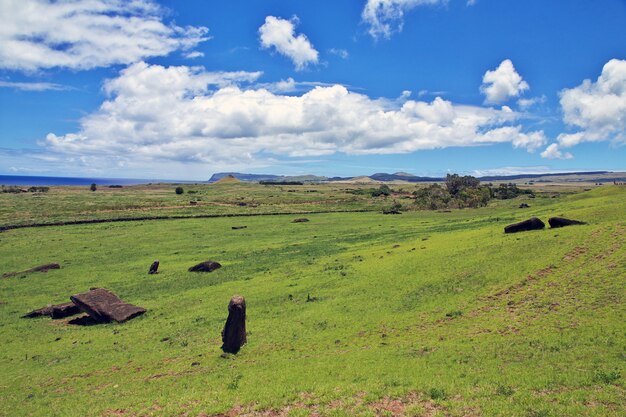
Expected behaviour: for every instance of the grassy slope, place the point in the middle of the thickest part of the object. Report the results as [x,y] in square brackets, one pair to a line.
[536,326]
[78,203]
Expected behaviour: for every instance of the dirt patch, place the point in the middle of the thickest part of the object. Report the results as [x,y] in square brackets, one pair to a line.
[386,406]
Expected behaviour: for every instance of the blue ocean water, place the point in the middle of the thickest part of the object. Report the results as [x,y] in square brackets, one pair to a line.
[51,181]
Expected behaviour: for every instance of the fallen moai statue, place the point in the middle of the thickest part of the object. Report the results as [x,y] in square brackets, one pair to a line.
[40,268]
[104,306]
[206,266]
[524,205]
[239,227]
[530,224]
[562,222]
[300,220]
[57,311]
[234,333]
[154,268]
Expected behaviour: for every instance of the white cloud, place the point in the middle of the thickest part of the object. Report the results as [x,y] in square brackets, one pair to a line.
[553,152]
[341,53]
[280,34]
[194,54]
[526,103]
[502,83]
[33,86]
[513,170]
[182,114]
[385,17]
[84,34]
[597,109]
[471,2]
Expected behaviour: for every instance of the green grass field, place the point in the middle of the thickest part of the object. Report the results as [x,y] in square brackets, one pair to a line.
[421,314]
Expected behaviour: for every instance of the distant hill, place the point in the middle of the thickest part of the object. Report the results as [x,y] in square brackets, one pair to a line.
[228,179]
[592,176]
[266,177]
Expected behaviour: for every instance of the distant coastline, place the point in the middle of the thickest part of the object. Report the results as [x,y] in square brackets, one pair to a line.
[58,181]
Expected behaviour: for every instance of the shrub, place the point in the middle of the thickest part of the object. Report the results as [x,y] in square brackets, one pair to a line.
[179,190]
[437,394]
[383,190]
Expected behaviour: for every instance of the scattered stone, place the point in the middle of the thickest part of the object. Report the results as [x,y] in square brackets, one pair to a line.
[300,220]
[234,333]
[103,306]
[562,222]
[524,205]
[154,268]
[391,212]
[40,268]
[58,311]
[193,203]
[206,266]
[310,299]
[530,224]
[239,227]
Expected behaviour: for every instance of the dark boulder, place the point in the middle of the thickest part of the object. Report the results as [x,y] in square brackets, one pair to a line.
[524,205]
[300,220]
[57,311]
[391,212]
[154,268]
[239,227]
[104,306]
[562,222]
[234,333]
[530,224]
[206,266]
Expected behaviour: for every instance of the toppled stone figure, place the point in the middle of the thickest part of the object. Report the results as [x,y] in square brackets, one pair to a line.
[234,333]
[531,224]
[562,222]
[300,220]
[57,311]
[206,266]
[103,306]
[524,205]
[41,268]
[154,268]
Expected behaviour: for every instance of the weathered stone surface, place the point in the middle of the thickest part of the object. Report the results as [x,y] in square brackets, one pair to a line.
[300,220]
[206,266]
[524,205]
[234,333]
[154,268]
[530,224]
[57,311]
[104,306]
[562,222]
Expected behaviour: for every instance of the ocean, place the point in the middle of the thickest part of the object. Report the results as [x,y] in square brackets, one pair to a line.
[52,181]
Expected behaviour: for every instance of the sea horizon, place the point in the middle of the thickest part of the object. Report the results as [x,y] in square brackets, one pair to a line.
[41,180]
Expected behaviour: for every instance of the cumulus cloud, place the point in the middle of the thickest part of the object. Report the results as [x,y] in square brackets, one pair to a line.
[85,34]
[386,17]
[188,115]
[502,83]
[33,86]
[553,152]
[597,109]
[280,34]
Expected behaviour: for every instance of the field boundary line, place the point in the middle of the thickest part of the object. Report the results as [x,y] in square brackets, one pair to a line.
[200,216]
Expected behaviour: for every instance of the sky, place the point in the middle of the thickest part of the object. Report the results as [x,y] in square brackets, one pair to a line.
[182,89]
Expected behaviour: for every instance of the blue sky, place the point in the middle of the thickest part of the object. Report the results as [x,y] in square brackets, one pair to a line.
[182,89]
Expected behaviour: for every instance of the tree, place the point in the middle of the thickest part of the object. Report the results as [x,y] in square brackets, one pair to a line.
[455,183]
[179,190]
[93,187]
